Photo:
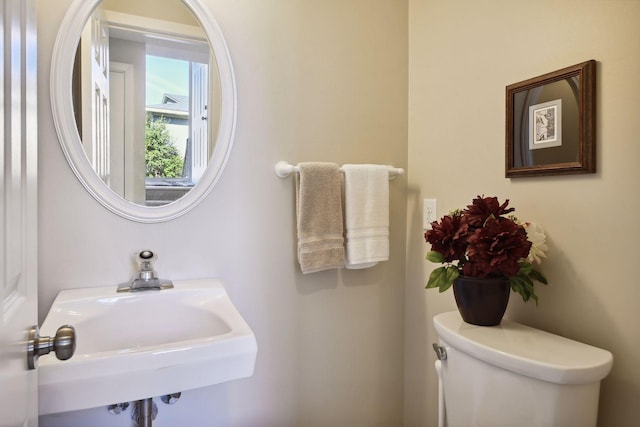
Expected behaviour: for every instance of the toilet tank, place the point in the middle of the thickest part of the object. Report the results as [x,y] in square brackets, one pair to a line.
[514,375]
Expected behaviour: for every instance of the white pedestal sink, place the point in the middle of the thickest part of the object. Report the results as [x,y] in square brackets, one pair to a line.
[132,346]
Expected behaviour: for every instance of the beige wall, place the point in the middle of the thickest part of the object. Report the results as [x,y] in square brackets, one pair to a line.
[317,81]
[462,55]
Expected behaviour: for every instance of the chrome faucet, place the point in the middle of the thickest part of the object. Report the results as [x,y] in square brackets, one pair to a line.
[146,279]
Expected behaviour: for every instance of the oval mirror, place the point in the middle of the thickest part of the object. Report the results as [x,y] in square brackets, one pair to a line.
[144,103]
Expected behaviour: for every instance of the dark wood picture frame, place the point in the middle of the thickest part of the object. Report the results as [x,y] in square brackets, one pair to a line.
[566,142]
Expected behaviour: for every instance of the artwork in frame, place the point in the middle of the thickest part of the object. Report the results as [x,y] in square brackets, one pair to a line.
[550,123]
[545,125]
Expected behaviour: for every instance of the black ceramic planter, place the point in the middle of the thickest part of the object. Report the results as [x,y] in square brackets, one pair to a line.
[481,301]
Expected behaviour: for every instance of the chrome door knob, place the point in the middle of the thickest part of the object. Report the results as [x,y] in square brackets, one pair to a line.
[63,344]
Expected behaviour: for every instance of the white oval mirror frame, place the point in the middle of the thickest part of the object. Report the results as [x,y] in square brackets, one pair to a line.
[64,120]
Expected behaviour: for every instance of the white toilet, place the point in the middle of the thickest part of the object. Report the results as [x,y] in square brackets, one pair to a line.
[514,375]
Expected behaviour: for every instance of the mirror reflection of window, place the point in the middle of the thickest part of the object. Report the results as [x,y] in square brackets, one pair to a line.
[176,128]
[167,118]
[155,133]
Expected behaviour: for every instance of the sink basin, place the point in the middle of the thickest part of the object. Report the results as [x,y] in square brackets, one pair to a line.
[133,346]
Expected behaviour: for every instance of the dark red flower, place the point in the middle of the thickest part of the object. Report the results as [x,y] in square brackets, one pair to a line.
[483,208]
[496,248]
[449,237]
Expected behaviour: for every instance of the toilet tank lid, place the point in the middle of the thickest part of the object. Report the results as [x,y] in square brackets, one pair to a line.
[526,350]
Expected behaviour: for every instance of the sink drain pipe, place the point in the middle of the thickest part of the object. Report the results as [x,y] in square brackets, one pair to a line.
[144,412]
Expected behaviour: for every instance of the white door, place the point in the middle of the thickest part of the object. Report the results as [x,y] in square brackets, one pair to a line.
[120,128]
[94,53]
[199,119]
[127,146]
[18,215]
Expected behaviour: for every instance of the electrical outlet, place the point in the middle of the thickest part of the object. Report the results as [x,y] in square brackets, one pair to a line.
[429,213]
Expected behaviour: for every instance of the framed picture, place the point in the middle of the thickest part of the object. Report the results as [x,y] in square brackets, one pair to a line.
[550,123]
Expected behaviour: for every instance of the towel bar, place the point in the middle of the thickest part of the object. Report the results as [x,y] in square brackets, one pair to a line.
[284,169]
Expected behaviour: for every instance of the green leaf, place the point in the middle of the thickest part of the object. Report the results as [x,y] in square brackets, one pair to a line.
[537,276]
[523,285]
[525,267]
[517,287]
[520,285]
[435,256]
[444,286]
[451,274]
[436,277]
[442,278]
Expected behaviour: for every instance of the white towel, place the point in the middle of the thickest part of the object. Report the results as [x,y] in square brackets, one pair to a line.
[366,191]
[319,215]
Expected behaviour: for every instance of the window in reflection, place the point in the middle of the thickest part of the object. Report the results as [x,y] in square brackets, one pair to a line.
[172,133]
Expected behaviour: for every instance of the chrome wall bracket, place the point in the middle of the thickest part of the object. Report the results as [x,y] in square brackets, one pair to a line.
[117,408]
[171,399]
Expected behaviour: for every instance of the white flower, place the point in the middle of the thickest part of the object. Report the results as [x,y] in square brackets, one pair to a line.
[535,234]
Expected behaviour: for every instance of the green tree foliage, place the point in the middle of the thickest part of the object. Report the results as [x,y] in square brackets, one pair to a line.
[161,155]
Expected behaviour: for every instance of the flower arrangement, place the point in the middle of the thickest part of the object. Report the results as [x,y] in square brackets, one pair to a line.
[483,241]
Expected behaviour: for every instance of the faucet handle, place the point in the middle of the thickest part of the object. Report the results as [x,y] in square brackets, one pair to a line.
[145,260]
[147,256]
